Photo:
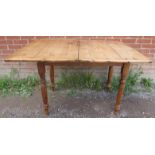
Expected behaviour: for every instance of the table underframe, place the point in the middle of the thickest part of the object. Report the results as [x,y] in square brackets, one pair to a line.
[42,70]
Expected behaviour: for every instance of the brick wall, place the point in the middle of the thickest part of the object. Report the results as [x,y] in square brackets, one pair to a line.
[8,44]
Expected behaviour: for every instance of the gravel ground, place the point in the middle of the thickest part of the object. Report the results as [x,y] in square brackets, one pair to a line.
[84,104]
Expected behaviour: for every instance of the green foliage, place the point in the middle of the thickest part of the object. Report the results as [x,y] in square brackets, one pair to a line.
[132,81]
[12,85]
[86,80]
[115,83]
[135,82]
[147,83]
[79,80]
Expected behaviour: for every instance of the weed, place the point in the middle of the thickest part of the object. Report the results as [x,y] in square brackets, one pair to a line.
[12,85]
[132,81]
[79,80]
[86,80]
[147,83]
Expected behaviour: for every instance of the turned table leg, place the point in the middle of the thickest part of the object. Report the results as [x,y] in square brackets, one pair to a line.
[124,74]
[52,76]
[41,71]
[110,73]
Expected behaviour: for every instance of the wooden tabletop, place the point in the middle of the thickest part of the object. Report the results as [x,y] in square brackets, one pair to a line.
[77,50]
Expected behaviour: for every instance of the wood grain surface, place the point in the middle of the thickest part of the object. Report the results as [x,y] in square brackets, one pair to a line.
[102,51]
[77,50]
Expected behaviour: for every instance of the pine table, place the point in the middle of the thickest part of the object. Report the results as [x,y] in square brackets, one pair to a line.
[79,53]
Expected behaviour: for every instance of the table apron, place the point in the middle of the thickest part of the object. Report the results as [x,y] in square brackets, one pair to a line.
[82,64]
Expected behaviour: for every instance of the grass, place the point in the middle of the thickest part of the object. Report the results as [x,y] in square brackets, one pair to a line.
[135,82]
[147,83]
[79,80]
[86,80]
[13,85]
[132,81]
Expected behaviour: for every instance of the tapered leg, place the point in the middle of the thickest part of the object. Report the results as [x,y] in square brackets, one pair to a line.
[124,74]
[41,71]
[52,76]
[110,73]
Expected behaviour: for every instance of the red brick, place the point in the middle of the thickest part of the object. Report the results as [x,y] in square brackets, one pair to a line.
[20,41]
[152,51]
[143,40]
[28,37]
[128,40]
[2,37]
[114,39]
[121,37]
[42,37]
[93,38]
[3,46]
[6,42]
[153,40]
[85,37]
[7,52]
[136,37]
[12,37]
[71,37]
[104,37]
[149,36]
[14,46]
[134,45]
[57,37]
[127,37]
[51,37]
[148,46]
[145,50]
[30,40]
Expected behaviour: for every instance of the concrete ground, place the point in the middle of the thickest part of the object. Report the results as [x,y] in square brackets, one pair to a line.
[82,104]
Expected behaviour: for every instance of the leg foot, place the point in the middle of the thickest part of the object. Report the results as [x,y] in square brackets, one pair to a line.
[41,71]
[124,74]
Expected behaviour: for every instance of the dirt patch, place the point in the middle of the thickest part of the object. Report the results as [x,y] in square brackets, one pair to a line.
[83,104]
